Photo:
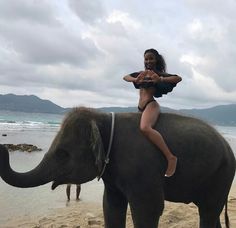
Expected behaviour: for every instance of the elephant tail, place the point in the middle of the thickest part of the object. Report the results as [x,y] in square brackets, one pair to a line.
[227,224]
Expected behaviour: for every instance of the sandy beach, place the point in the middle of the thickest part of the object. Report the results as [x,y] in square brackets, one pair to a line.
[79,214]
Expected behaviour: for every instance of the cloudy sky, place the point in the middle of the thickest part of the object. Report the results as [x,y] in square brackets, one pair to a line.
[76,52]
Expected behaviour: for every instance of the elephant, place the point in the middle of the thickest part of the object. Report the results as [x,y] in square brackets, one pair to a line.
[91,143]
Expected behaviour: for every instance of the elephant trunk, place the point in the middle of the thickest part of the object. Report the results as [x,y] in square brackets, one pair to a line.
[33,178]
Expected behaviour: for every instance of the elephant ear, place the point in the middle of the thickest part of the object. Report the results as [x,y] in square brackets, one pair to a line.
[97,146]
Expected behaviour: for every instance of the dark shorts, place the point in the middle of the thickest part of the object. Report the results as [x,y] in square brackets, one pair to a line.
[143,108]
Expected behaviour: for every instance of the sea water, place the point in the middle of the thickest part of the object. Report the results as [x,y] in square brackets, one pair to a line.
[40,129]
[29,121]
[37,129]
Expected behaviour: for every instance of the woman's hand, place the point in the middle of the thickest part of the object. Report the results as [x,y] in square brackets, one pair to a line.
[154,77]
[141,77]
[148,76]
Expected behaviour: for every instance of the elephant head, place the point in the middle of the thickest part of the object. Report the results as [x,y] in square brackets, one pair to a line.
[76,155]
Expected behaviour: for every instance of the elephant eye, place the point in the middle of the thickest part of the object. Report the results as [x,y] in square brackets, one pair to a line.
[62,154]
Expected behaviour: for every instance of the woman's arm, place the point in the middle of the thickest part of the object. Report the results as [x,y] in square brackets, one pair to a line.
[129,78]
[137,77]
[165,77]
[172,79]
[154,77]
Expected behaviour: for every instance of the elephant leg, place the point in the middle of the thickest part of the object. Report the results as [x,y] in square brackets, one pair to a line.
[146,209]
[114,208]
[145,216]
[208,220]
[218,225]
[212,199]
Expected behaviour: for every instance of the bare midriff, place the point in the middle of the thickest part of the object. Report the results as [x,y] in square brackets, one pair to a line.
[145,94]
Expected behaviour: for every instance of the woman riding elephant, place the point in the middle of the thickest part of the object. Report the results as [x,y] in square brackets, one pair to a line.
[153,82]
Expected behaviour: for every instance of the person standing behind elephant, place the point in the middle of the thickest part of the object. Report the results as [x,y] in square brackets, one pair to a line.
[78,189]
[154,82]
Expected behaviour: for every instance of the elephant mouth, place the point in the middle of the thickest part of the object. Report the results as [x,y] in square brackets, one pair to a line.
[55,184]
[62,179]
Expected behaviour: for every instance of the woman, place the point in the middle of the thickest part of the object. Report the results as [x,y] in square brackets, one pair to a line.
[153,82]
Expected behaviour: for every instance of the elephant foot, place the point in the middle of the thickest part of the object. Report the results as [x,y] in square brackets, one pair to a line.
[172,163]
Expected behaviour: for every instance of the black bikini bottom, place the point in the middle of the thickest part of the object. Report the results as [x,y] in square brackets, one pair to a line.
[143,108]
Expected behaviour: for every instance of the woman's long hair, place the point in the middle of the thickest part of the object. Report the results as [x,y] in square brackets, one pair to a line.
[161,64]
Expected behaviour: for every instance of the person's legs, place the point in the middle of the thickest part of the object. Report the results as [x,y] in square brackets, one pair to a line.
[78,189]
[149,117]
[68,191]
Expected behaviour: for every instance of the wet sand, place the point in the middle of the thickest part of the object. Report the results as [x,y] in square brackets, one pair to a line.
[79,214]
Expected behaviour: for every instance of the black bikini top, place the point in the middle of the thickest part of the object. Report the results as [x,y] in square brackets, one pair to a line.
[160,87]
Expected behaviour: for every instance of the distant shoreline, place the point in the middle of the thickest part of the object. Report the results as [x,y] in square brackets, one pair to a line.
[218,115]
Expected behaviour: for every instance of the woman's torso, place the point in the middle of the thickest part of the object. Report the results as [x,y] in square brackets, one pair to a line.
[145,94]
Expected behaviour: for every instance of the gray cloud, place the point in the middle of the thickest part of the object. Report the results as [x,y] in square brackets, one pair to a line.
[28,11]
[46,45]
[84,48]
[224,9]
[212,40]
[88,11]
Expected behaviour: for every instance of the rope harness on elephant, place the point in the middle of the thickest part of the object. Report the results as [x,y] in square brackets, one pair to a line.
[106,161]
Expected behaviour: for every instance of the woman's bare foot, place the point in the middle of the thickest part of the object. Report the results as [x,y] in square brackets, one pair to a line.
[172,163]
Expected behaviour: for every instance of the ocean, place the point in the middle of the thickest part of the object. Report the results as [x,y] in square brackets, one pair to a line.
[29,121]
[40,129]
[37,129]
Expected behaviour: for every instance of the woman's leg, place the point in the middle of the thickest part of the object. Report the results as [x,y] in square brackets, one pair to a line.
[149,117]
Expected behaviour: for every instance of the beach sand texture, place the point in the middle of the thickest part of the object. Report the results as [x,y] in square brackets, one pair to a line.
[89,215]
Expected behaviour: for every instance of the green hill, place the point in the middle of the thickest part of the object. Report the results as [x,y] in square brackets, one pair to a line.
[28,103]
[221,115]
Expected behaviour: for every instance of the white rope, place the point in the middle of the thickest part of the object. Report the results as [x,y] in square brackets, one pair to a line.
[109,146]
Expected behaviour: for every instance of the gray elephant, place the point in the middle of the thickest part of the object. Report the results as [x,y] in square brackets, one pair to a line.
[134,171]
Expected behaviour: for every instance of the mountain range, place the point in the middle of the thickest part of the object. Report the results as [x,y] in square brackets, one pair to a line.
[220,115]
[28,103]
